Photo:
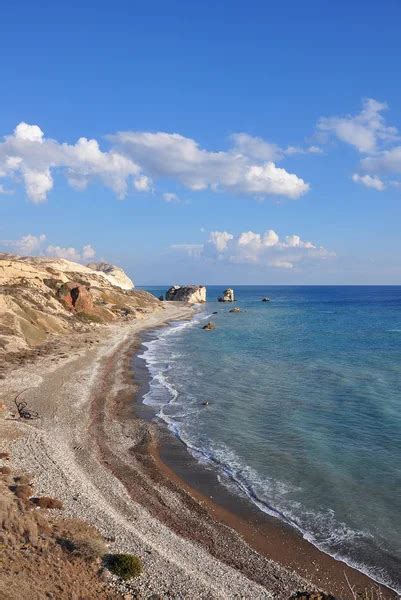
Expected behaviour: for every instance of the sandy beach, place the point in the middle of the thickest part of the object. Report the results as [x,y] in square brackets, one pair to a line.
[125,475]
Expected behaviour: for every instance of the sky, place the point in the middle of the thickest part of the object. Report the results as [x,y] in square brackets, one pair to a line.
[204,142]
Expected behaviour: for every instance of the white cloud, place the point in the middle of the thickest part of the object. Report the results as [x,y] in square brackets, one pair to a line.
[27,154]
[255,147]
[369,181]
[171,197]
[28,244]
[220,239]
[384,162]
[88,252]
[69,253]
[264,249]
[142,184]
[365,130]
[35,245]
[290,150]
[173,156]
[31,133]
[37,183]
[140,157]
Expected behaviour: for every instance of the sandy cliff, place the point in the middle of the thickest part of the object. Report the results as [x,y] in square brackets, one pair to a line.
[40,297]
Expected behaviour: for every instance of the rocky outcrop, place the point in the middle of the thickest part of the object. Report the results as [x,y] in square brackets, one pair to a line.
[193,294]
[41,297]
[228,296]
[76,297]
[114,274]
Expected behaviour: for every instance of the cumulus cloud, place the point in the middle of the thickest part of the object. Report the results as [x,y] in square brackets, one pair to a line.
[36,245]
[369,181]
[71,253]
[247,168]
[365,130]
[29,156]
[173,156]
[264,249]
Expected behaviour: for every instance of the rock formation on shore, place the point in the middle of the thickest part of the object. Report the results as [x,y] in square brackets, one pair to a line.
[193,294]
[114,274]
[228,296]
[40,297]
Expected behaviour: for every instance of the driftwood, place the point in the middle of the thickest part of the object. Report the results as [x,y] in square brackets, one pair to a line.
[23,411]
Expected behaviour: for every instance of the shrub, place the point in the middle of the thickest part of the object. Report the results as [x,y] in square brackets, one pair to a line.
[23,492]
[125,566]
[46,502]
[88,548]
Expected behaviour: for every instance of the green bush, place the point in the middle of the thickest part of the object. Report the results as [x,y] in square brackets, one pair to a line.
[125,566]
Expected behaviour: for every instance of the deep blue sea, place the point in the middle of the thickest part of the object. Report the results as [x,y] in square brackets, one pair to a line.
[304,413]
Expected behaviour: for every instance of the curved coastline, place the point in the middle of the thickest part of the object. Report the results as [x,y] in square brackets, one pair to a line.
[182,459]
[94,449]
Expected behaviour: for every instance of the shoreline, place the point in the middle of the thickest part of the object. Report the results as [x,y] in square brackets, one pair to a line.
[267,534]
[110,468]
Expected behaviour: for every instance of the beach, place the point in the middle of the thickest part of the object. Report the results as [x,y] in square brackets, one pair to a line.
[116,468]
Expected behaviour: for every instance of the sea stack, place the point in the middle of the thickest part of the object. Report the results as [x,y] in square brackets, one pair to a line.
[228,296]
[193,294]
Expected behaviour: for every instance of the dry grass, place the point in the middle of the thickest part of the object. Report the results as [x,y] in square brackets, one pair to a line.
[88,546]
[47,502]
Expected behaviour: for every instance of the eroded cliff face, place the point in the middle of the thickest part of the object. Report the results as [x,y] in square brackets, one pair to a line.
[114,274]
[193,294]
[40,297]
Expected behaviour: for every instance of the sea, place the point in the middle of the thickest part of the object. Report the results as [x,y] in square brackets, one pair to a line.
[296,403]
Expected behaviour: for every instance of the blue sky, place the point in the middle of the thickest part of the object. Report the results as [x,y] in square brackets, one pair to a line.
[224,142]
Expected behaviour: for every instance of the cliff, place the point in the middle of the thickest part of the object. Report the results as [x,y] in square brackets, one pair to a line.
[114,274]
[40,297]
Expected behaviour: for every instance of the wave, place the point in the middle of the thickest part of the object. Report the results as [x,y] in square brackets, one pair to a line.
[321,529]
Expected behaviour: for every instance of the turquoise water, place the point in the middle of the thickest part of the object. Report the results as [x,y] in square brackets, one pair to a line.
[304,413]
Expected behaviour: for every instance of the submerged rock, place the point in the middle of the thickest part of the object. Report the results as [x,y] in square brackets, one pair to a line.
[228,296]
[193,294]
[209,326]
[236,309]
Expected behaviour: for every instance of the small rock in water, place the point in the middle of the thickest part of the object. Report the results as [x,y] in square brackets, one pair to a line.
[205,403]
[266,299]
[228,296]
[235,310]
[209,326]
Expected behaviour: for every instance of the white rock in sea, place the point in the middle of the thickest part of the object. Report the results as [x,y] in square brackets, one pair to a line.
[228,296]
[114,274]
[193,294]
